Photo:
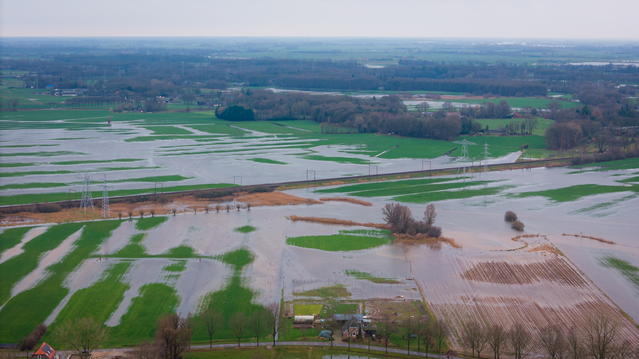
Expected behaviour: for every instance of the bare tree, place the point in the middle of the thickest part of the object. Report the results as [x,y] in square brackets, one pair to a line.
[472,335]
[519,340]
[82,335]
[576,349]
[600,334]
[388,328]
[273,320]
[212,321]
[239,324]
[552,341]
[440,333]
[333,326]
[398,217]
[173,336]
[141,212]
[427,335]
[258,324]
[496,339]
[146,350]
[430,214]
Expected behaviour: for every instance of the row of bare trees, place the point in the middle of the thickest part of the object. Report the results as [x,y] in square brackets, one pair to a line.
[400,219]
[598,339]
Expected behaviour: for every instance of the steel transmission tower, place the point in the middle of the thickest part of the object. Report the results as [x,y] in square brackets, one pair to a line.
[87,199]
[106,212]
[464,155]
[486,153]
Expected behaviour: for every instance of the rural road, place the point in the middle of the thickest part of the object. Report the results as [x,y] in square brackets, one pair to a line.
[308,344]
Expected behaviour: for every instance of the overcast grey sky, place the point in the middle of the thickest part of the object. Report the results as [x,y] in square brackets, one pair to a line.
[578,19]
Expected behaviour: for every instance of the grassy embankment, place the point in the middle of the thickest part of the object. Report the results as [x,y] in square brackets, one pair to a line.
[346,240]
[63,196]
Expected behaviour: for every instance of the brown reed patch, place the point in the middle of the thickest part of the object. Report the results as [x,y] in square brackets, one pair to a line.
[346,199]
[274,199]
[589,237]
[423,238]
[336,221]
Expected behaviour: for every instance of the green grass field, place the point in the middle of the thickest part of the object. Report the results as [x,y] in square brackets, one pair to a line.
[573,193]
[383,185]
[43,154]
[144,224]
[63,196]
[519,102]
[27,309]
[346,160]
[245,229]
[370,277]
[627,269]
[67,163]
[11,237]
[218,129]
[427,197]
[32,185]
[168,130]
[344,241]
[268,161]
[307,309]
[496,123]
[627,164]
[332,292]
[175,266]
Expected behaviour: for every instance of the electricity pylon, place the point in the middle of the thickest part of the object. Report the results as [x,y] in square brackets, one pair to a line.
[87,199]
[106,211]
[464,155]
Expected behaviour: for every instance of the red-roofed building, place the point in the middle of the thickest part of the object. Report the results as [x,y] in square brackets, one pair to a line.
[44,352]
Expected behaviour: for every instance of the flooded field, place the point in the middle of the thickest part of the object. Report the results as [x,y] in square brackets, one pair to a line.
[578,255]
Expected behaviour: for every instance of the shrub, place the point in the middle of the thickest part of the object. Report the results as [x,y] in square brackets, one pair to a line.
[237,113]
[517,225]
[141,212]
[119,215]
[422,227]
[49,208]
[435,232]
[510,216]
[260,189]
[174,211]
[152,213]
[29,342]
[162,199]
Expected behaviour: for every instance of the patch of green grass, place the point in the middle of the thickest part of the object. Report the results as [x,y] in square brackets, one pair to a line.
[599,207]
[404,190]
[266,160]
[236,297]
[628,270]
[137,251]
[336,291]
[14,269]
[339,308]
[140,321]
[352,160]
[98,301]
[22,146]
[628,163]
[175,266]
[519,102]
[132,250]
[630,180]
[344,241]
[138,238]
[423,198]
[44,154]
[495,123]
[144,224]
[369,277]
[383,185]
[67,163]
[63,196]
[11,237]
[238,258]
[302,124]
[307,309]
[168,130]
[245,229]
[32,185]
[168,178]
[573,193]
[27,309]
[219,129]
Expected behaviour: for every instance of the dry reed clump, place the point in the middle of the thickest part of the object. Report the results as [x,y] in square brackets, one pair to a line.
[346,199]
[544,249]
[275,199]
[423,238]
[589,237]
[343,222]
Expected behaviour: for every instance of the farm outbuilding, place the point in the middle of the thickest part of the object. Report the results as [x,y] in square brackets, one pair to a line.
[304,319]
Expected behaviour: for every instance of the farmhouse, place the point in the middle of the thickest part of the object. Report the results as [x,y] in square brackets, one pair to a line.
[44,352]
